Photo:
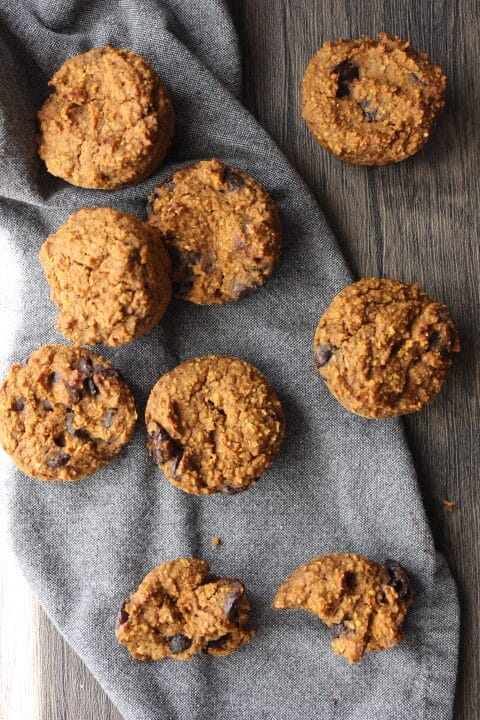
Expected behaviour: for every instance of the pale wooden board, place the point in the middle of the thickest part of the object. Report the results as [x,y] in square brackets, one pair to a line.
[415,221]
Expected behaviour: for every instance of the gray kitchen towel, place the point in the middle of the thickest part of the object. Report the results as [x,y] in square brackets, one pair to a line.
[340,484]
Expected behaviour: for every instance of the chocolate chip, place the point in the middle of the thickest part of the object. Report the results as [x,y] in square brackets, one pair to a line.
[19,405]
[57,460]
[433,340]
[178,643]
[85,365]
[47,405]
[91,386]
[78,433]
[232,490]
[323,353]
[370,115]
[60,440]
[347,72]
[239,291]
[164,448]
[398,579]
[107,421]
[106,371]
[54,377]
[231,605]
[340,630]
[233,179]
[75,394]
[122,616]
[350,580]
[219,642]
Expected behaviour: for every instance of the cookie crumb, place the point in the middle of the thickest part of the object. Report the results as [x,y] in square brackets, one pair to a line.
[215,541]
[448,505]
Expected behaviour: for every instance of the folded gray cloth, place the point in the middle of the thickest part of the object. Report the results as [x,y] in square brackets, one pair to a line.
[341,483]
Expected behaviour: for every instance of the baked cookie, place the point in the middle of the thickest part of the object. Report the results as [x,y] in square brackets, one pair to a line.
[64,413]
[109,274]
[364,603]
[108,122]
[215,425]
[221,228]
[179,611]
[384,348]
[372,102]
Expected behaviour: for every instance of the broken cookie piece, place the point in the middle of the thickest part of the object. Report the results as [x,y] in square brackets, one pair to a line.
[179,611]
[64,414]
[362,601]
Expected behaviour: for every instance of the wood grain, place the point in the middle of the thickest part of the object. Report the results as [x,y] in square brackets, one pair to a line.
[417,221]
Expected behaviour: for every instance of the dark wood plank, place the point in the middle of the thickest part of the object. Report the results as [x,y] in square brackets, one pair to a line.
[417,221]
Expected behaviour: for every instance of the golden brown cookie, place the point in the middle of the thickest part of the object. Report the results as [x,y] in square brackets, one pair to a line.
[221,228]
[372,102]
[364,603]
[215,425]
[109,274]
[64,413]
[108,122]
[179,611]
[384,348]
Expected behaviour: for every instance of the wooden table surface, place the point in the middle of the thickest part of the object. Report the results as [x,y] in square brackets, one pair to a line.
[416,221]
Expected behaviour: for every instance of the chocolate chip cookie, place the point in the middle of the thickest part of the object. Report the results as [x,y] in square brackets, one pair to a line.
[222,231]
[363,602]
[372,102]
[384,348]
[215,425]
[179,611]
[64,413]
[108,122]
[110,275]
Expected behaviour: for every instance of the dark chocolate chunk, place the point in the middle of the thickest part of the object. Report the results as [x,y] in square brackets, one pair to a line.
[233,179]
[231,490]
[231,605]
[178,643]
[239,291]
[219,642]
[57,460]
[122,616]
[91,386]
[19,404]
[340,630]
[398,579]
[434,340]
[323,353]
[347,72]
[47,405]
[370,115]
[75,393]
[60,440]
[107,421]
[163,448]
[78,433]
[350,580]
[85,365]
[54,377]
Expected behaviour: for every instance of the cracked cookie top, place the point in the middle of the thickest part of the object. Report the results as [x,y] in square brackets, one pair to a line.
[64,413]
[363,602]
[109,274]
[179,611]
[222,231]
[215,425]
[372,102]
[384,348]
[108,122]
